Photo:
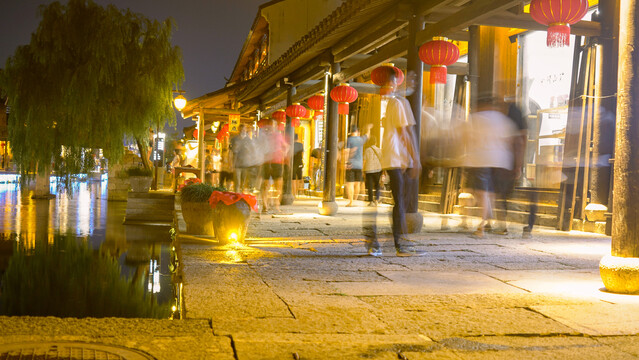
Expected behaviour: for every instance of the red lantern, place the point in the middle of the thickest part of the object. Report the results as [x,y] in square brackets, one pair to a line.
[196,132]
[281,126]
[264,122]
[295,122]
[438,53]
[316,102]
[343,94]
[558,15]
[380,77]
[296,111]
[223,132]
[279,115]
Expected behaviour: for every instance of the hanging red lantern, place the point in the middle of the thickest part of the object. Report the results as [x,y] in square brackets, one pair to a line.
[316,102]
[558,15]
[281,126]
[264,122]
[223,132]
[380,76]
[196,132]
[296,111]
[343,94]
[295,122]
[280,116]
[439,53]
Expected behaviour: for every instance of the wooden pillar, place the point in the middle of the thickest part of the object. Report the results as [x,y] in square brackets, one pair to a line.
[328,205]
[603,141]
[414,80]
[200,144]
[287,186]
[620,270]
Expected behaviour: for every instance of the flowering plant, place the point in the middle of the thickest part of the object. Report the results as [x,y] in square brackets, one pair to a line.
[191,181]
[230,198]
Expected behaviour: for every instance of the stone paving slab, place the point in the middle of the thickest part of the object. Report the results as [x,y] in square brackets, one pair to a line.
[210,290]
[164,339]
[581,283]
[515,347]
[596,319]
[427,283]
[326,346]
[444,322]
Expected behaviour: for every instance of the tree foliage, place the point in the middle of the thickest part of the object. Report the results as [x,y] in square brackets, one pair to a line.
[91,77]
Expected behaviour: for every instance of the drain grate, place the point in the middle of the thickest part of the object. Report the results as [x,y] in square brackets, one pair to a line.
[69,351]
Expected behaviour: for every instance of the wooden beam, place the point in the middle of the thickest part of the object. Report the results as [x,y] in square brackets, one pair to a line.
[525,21]
[304,92]
[218,111]
[385,54]
[309,70]
[361,32]
[365,42]
[428,6]
[469,15]
[516,21]
[274,94]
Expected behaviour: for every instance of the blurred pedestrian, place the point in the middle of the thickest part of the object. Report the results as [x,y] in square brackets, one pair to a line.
[226,168]
[298,166]
[274,156]
[243,153]
[355,162]
[490,157]
[400,160]
[372,170]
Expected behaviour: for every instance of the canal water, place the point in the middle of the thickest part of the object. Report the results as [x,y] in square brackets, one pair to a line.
[144,253]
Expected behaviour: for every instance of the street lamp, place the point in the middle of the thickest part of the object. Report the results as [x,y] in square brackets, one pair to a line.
[179,102]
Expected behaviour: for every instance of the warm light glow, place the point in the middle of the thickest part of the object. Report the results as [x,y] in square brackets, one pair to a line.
[233,237]
[179,102]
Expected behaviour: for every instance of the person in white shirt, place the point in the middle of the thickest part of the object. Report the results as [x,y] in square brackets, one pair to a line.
[400,160]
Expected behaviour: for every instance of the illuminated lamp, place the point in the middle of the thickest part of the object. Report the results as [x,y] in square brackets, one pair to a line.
[316,102]
[380,76]
[438,53]
[179,102]
[343,94]
[558,15]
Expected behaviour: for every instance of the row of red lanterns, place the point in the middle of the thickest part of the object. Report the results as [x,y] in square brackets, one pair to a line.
[440,53]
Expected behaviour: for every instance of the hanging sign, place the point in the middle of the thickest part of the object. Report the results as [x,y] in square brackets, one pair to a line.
[234,123]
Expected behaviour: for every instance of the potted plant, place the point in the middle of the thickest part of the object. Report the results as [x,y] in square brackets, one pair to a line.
[231,215]
[140,179]
[197,213]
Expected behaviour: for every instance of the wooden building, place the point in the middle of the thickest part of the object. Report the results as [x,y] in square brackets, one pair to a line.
[298,48]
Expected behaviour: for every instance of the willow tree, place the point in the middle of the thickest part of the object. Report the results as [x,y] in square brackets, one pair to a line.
[91,77]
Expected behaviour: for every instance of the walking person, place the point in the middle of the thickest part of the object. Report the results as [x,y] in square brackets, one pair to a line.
[400,160]
[298,166]
[274,156]
[372,170]
[242,147]
[355,162]
[490,158]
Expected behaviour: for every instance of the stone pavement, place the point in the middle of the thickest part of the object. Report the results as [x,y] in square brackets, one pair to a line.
[304,288]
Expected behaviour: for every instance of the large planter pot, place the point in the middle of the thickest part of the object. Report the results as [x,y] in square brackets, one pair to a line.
[231,221]
[198,217]
[141,183]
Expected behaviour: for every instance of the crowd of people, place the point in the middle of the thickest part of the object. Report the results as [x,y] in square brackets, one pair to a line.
[254,162]
[489,145]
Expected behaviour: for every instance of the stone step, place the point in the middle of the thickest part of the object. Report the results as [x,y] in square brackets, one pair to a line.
[513,216]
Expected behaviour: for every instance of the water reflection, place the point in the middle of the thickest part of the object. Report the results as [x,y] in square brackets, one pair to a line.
[143,252]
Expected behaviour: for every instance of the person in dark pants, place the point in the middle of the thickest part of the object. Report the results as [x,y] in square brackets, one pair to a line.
[298,166]
[372,170]
[400,160]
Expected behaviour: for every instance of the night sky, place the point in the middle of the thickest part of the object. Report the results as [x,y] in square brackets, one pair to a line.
[209,32]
